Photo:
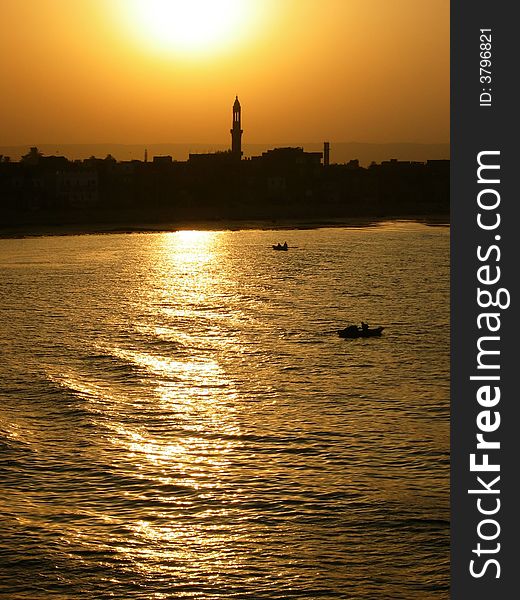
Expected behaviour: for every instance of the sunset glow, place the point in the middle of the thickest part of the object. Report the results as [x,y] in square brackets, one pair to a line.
[164,71]
[189,27]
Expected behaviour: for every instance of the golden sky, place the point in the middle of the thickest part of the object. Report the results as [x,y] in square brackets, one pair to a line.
[153,71]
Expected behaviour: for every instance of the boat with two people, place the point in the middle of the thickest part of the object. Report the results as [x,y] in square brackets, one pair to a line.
[279,246]
[353,331]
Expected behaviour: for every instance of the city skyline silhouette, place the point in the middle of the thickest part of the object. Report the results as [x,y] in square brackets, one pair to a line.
[281,183]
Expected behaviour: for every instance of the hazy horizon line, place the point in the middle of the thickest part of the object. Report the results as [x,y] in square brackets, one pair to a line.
[184,143]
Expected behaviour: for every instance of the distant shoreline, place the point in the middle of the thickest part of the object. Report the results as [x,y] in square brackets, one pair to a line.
[30,231]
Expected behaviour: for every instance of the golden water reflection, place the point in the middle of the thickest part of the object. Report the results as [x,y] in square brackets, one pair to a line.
[191,249]
[183,455]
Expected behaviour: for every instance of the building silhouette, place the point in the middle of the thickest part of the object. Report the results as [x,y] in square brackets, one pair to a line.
[281,183]
[236,131]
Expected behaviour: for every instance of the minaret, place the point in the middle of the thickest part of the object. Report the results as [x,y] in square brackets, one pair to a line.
[236,132]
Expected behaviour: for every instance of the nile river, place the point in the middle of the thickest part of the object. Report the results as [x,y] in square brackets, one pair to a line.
[179,419]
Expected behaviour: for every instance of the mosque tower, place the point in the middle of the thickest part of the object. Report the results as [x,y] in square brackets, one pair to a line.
[236,132]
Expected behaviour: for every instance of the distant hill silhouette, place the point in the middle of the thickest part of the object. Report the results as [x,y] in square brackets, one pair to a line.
[340,152]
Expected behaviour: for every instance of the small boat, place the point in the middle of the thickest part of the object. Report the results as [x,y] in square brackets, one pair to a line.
[283,246]
[353,331]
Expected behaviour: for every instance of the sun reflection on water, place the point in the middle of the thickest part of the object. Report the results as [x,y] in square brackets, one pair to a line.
[167,406]
[189,247]
[183,454]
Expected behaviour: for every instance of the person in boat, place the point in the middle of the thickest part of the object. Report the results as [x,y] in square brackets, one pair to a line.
[285,246]
[364,327]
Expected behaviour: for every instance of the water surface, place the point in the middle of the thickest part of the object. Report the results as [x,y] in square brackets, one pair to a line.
[180,420]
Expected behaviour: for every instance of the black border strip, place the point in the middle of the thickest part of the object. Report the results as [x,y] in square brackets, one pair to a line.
[477,128]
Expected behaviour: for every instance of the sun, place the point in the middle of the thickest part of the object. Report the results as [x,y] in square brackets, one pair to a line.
[197,26]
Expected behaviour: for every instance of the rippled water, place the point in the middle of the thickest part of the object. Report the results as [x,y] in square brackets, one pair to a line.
[178,418]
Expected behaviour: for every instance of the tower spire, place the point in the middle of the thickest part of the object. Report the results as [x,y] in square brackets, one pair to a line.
[236,131]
